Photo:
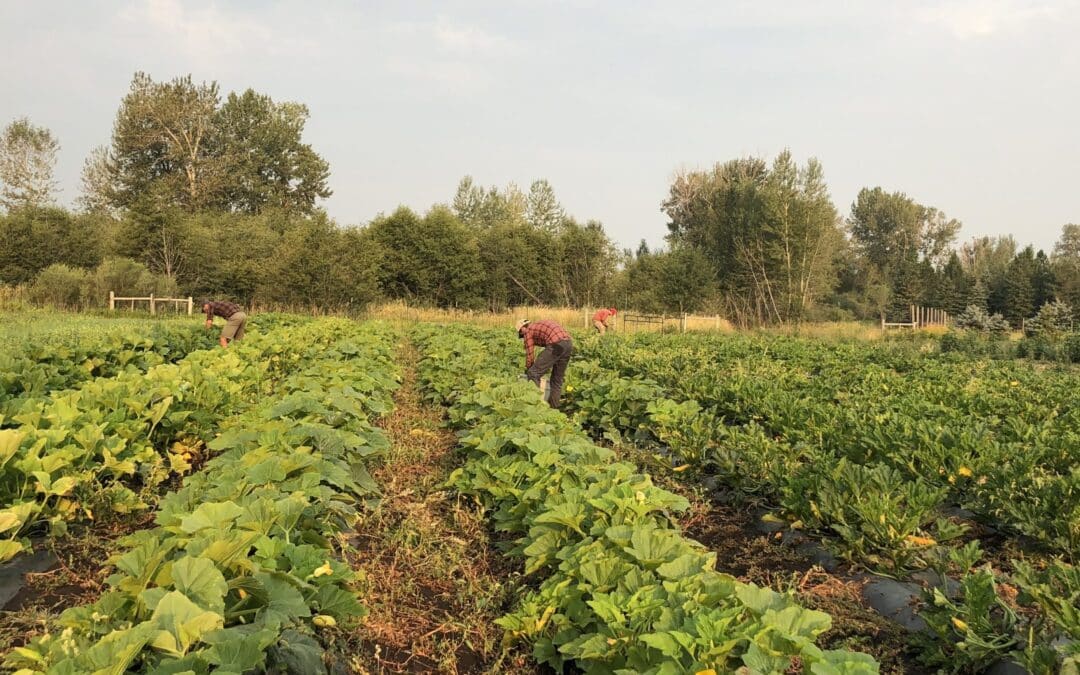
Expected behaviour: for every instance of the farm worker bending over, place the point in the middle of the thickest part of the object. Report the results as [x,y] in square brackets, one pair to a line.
[599,320]
[555,357]
[234,316]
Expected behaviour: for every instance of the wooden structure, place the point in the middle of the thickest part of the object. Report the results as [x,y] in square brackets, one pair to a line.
[177,303]
[633,322]
[921,317]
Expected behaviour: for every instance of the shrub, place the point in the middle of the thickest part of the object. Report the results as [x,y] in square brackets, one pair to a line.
[124,276]
[977,318]
[59,285]
[1054,318]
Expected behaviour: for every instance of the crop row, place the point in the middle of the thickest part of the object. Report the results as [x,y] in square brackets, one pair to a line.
[240,573]
[850,450]
[620,589]
[30,369]
[80,451]
[1001,439]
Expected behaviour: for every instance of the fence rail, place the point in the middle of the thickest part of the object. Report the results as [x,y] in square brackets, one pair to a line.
[921,317]
[153,302]
[632,322]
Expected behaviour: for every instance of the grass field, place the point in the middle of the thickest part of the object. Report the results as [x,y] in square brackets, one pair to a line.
[382,496]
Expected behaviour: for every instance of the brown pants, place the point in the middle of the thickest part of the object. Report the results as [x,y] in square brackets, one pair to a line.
[555,358]
[234,327]
[600,326]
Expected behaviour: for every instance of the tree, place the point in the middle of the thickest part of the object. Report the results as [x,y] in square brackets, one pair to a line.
[1065,263]
[543,210]
[165,147]
[33,238]
[686,279]
[771,233]
[266,162]
[481,208]
[97,194]
[955,288]
[27,159]
[893,231]
[1019,289]
[586,264]
[1044,282]
[430,260]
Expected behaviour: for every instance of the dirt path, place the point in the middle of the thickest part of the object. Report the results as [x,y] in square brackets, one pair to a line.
[434,582]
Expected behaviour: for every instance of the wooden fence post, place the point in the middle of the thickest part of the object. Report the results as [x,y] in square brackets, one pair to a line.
[914,321]
[152,308]
[682,323]
[112,301]
[190,305]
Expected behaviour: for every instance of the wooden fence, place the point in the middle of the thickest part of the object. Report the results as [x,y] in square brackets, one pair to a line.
[921,317]
[153,302]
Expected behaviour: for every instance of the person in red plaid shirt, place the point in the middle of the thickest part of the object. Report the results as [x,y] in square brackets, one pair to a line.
[555,357]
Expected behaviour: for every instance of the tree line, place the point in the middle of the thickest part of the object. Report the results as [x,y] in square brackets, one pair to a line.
[209,194]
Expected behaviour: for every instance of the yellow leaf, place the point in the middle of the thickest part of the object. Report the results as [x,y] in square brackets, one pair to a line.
[242,593]
[324,621]
[542,621]
[964,471]
[960,624]
[8,520]
[684,467]
[919,541]
[708,671]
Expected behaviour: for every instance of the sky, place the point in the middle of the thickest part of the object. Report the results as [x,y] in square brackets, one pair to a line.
[972,107]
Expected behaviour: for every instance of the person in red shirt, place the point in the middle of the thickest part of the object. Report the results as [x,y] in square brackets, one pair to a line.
[556,355]
[599,320]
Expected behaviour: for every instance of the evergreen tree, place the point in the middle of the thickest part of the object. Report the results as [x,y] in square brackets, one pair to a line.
[1019,289]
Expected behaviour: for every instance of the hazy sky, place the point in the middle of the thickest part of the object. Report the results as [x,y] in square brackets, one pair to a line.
[972,107]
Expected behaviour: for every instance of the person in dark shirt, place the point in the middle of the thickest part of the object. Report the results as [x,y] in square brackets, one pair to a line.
[235,319]
[556,355]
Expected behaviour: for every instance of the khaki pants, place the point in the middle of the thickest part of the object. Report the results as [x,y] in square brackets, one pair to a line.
[599,325]
[234,327]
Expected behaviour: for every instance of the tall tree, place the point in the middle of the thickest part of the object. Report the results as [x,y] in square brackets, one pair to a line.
[430,260]
[587,261]
[892,231]
[166,146]
[97,195]
[266,161]
[955,288]
[1019,289]
[770,232]
[542,209]
[1043,280]
[1066,265]
[27,160]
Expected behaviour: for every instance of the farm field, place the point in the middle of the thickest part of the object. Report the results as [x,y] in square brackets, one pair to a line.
[373,497]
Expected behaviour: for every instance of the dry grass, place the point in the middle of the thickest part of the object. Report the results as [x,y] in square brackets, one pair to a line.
[571,317]
[432,579]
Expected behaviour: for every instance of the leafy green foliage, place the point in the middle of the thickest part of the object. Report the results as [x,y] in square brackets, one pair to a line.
[621,590]
[239,572]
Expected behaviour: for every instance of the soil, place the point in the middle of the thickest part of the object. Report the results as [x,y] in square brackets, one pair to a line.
[76,577]
[434,579]
[743,551]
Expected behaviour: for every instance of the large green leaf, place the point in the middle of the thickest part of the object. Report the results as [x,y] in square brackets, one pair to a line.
[180,623]
[201,581]
[213,515]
